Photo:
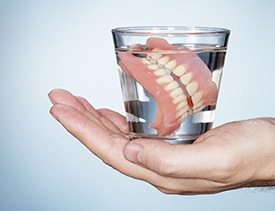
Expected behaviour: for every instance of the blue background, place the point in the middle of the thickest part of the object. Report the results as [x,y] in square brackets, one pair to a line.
[68,44]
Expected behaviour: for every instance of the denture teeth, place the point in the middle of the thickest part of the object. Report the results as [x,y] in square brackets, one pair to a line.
[176,92]
[186,78]
[181,105]
[171,86]
[198,104]
[152,61]
[180,70]
[179,99]
[155,56]
[196,97]
[192,88]
[163,61]
[198,109]
[153,67]
[171,65]
[160,72]
[145,61]
[182,112]
[165,79]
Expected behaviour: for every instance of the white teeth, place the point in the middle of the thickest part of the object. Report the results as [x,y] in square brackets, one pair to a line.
[192,88]
[155,56]
[179,99]
[163,61]
[171,86]
[198,109]
[182,112]
[196,97]
[171,65]
[165,79]
[153,67]
[179,70]
[160,72]
[182,104]
[186,78]
[152,61]
[197,105]
[145,61]
[176,92]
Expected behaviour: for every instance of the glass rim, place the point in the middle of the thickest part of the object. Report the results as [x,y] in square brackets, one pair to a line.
[171,30]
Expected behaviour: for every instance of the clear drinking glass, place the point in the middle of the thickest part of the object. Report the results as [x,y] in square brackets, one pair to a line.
[170,78]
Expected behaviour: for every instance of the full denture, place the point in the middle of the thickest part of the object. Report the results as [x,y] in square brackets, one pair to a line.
[181,84]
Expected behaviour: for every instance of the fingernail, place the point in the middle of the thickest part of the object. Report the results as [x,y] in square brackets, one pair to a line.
[132,152]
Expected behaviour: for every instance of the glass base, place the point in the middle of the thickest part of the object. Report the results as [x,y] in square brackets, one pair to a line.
[173,139]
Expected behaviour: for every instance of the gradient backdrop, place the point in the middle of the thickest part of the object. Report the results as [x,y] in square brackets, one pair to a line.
[67,44]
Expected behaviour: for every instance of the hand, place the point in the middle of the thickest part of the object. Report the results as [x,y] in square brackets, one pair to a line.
[234,155]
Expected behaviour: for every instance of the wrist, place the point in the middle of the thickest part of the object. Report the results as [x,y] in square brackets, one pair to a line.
[265,176]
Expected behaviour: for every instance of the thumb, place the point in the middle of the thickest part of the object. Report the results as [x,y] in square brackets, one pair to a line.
[155,155]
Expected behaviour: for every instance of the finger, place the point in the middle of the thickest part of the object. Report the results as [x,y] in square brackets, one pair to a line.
[88,106]
[118,119]
[177,161]
[63,97]
[59,96]
[111,124]
[79,125]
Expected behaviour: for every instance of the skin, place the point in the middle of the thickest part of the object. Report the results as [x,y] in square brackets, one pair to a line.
[234,155]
